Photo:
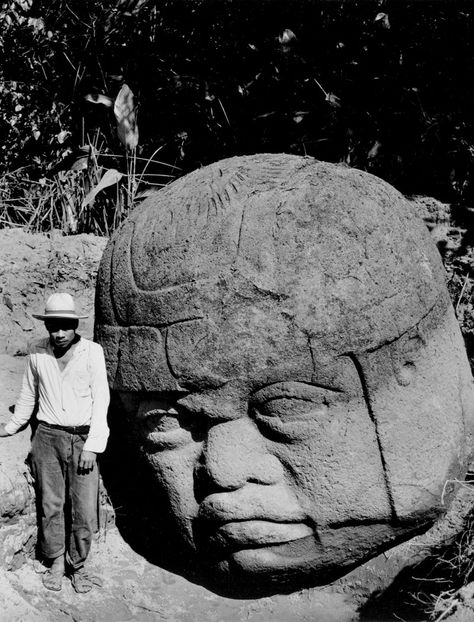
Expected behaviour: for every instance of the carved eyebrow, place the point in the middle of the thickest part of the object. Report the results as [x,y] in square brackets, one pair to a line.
[153,412]
[292,389]
[212,407]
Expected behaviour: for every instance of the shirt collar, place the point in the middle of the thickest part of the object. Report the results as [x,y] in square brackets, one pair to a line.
[46,345]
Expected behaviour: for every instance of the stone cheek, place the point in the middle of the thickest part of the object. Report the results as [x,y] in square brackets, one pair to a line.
[336,467]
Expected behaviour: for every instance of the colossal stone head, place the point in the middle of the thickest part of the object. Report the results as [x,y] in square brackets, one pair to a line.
[281,339]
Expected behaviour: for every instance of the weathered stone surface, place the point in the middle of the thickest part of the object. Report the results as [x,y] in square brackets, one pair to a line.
[280,336]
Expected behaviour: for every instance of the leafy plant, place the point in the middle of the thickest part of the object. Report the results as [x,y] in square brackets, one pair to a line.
[381,85]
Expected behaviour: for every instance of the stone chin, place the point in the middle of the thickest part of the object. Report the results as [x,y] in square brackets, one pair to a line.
[313,560]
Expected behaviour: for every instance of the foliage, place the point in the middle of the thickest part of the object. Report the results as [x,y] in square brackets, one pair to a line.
[381,85]
[54,163]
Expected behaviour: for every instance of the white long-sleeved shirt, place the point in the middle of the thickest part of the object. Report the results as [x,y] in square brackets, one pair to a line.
[76,396]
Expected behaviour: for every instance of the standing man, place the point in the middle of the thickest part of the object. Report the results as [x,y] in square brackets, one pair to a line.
[65,377]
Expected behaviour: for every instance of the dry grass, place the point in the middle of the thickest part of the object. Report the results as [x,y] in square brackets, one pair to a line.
[59,201]
[454,570]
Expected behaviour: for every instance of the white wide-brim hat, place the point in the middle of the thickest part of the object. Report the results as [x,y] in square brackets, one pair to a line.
[59,306]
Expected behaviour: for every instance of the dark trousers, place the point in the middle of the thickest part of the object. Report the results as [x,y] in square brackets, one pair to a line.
[67,500]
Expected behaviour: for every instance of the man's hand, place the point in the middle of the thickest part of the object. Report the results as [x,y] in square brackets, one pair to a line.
[87,462]
[2,430]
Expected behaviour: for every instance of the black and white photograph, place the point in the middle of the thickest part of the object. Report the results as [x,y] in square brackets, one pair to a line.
[236,311]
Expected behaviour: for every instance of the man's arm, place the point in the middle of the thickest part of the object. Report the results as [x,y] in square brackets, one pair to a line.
[26,401]
[99,430]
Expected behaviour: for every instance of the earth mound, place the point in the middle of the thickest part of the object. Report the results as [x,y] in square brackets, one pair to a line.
[32,266]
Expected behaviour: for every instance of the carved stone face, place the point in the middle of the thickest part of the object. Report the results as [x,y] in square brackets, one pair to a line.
[292,371]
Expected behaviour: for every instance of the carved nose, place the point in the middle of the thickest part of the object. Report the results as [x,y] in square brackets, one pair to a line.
[235,454]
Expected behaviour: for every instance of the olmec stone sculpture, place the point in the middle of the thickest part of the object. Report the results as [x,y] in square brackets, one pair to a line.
[280,335]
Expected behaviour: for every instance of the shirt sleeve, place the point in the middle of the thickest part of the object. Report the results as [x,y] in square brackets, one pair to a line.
[27,399]
[99,430]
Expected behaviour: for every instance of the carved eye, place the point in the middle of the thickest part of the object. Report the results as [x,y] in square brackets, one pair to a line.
[289,419]
[290,411]
[159,420]
[162,427]
[291,408]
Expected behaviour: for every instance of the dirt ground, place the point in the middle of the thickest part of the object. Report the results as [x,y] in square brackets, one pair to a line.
[135,590]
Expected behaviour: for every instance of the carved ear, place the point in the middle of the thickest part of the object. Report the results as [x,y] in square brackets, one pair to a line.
[414,387]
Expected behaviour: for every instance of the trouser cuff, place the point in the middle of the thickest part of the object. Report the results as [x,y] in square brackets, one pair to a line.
[49,555]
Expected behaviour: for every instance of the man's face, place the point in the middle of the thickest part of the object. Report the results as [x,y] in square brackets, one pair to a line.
[274,463]
[61,332]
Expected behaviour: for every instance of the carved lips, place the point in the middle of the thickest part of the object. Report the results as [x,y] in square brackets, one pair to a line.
[256,533]
[234,521]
